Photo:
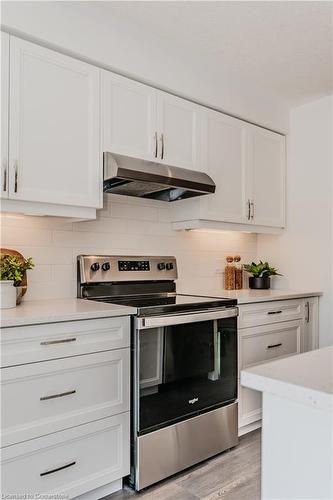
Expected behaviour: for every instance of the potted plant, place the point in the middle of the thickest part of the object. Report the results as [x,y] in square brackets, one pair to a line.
[12,269]
[261,273]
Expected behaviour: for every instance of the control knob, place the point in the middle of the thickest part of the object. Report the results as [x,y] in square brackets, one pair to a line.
[95,266]
[161,266]
[106,266]
[169,266]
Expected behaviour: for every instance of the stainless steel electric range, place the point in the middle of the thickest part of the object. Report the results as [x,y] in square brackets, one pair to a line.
[184,363]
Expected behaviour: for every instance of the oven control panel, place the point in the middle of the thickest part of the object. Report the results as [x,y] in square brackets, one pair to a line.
[133,265]
[113,268]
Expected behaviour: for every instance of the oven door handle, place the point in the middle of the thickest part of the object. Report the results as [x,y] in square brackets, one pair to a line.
[178,319]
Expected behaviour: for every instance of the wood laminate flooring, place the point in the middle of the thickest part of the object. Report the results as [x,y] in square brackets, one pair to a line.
[232,475]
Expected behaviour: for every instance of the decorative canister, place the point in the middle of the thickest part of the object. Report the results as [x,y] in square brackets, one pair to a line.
[229,274]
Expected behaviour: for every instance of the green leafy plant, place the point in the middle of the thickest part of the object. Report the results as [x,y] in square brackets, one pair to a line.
[13,267]
[261,270]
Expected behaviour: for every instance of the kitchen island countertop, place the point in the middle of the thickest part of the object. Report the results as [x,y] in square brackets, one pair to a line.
[33,312]
[306,378]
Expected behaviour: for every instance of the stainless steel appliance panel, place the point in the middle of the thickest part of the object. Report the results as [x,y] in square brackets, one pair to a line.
[167,451]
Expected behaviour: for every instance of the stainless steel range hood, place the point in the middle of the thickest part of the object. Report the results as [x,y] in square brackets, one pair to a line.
[146,179]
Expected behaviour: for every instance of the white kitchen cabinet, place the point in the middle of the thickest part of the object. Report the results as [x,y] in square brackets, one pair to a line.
[225,142]
[71,462]
[33,343]
[4,113]
[62,393]
[269,331]
[311,324]
[128,117]
[266,182]
[260,345]
[73,380]
[140,121]
[179,126]
[54,146]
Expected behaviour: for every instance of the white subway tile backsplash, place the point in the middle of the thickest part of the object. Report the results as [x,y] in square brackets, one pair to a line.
[125,225]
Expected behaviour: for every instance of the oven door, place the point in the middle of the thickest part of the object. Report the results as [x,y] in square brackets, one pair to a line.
[184,365]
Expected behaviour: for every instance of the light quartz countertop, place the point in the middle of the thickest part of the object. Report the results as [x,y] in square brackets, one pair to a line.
[32,312]
[306,378]
[247,296]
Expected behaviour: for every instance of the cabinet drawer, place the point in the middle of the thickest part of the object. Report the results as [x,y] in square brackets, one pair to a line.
[40,398]
[28,344]
[265,313]
[70,462]
[263,343]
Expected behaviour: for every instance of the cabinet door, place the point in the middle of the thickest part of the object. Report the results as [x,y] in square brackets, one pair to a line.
[128,117]
[54,127]
[267,153]
[4,113]
[262,344]
[179,124]
[311,324]
[226,161]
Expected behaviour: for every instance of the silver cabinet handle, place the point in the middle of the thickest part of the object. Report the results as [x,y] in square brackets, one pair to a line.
[156,145]
[61,341]
[15,177]
[307,305]
[274,345]
[60,395]
[4,186]
[274,312]
[51,471]
[162,143]
[248,209]
[252,209]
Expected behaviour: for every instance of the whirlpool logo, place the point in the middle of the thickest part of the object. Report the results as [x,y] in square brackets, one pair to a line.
[192,401]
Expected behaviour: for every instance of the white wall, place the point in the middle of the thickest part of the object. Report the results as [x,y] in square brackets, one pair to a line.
[127,226]
[304,252]
[119,45]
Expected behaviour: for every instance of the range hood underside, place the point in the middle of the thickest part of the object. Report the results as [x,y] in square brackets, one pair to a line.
[146,190]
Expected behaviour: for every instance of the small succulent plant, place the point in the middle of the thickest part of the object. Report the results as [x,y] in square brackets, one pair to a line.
[261,270]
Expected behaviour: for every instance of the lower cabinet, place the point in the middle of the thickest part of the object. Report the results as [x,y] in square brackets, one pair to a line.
[70,462]
[65,421]
[266,341]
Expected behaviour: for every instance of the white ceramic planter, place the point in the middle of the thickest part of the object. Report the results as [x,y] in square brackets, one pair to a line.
[7,294]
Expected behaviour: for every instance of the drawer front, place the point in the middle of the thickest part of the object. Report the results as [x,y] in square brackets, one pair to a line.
[264,343]
[28,344]
[70,462]
[46,397]
[266,313]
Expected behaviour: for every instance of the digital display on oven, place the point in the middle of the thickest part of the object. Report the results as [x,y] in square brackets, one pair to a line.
[133,265]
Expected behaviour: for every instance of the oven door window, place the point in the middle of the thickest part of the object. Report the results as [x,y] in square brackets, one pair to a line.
[185,370]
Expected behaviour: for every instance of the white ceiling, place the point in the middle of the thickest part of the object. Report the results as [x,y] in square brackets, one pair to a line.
[283,46]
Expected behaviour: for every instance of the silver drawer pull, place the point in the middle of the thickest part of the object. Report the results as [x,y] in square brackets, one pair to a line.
[274,345]
[274,312]
[60,395]
[57,469]
[62,341]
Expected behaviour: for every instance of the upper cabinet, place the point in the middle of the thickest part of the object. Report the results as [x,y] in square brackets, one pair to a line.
[140,121]
[129,124]
[226,154]
[4,113]
[54,138]
[247,164]
[179,127]
[59,114]
[266,186]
